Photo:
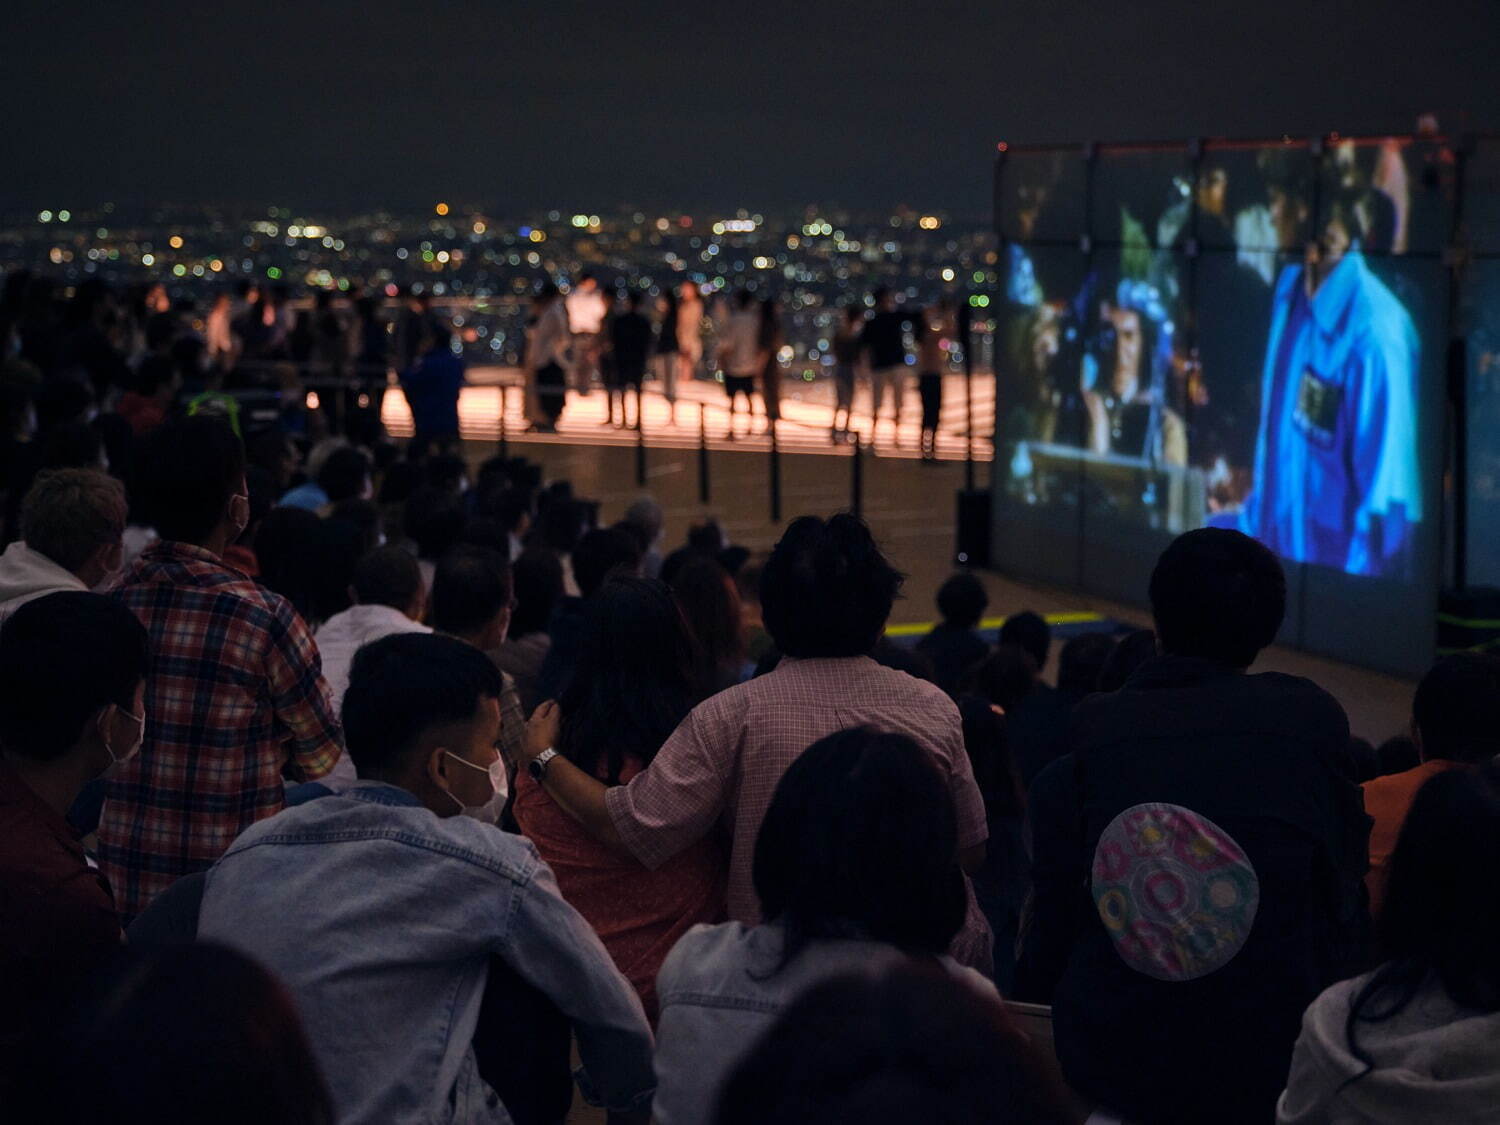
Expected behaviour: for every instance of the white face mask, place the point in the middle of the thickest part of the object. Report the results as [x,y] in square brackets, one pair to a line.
[118,760]
[499,784]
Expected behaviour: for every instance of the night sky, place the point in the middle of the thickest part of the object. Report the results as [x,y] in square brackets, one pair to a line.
[516,106]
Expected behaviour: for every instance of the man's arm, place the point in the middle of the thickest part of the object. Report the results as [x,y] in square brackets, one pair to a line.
[549,944]
[667,807]
[576,793]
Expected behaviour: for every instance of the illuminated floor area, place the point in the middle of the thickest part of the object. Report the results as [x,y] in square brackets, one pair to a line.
[806,409]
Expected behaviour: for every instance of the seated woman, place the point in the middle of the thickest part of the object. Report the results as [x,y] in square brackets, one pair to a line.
[1419,1038]
[631,687]
[856,867]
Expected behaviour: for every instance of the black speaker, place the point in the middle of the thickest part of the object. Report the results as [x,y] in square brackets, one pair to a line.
[973,547]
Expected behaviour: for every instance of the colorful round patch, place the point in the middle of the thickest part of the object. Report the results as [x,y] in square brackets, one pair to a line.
[1176,894]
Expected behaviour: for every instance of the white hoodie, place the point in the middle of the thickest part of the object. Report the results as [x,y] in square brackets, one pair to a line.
[26,575]
[1434,1062]
[338,639]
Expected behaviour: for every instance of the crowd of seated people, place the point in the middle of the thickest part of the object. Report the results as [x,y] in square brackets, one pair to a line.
[348,783]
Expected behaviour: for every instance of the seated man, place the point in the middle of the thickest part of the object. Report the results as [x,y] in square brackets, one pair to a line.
[73,665]
[72,537]
[1455,722]
[1198,857]
[379,907]
[388,598]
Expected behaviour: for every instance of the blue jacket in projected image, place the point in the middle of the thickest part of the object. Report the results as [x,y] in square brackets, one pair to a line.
[1336,474]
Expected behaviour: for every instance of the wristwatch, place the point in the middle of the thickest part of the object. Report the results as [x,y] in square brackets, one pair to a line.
[537,767]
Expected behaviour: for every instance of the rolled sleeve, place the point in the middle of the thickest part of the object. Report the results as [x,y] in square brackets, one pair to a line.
[675,801]
[968,802]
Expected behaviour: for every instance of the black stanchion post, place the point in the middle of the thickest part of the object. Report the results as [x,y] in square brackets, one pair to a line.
[640,444]
[703,453]
[966,336]
[504,438]
[857,480]
[775,476]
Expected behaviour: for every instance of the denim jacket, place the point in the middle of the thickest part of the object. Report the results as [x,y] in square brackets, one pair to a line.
[380,916]
[722,987]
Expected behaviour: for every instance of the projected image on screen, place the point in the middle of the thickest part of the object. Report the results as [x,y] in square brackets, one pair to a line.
[1240,349]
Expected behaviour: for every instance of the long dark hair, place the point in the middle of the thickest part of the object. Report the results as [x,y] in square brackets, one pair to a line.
[1438,920]
[633,682]
[861,841]
[710,604]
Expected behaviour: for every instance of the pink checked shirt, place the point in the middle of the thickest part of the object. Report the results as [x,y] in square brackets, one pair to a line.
[725,759]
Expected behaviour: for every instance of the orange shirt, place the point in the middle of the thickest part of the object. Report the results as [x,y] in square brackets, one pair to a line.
[638,913]
[1387,800]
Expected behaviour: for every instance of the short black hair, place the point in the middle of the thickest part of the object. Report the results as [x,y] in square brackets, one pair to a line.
[344,472]
[1457,708]
[387,576]
[861,838]
[537,575]
[405,684]
[1006,676]
[1132,650]
[826,589]
[1081,660]
[911,1043]
[1031,632]
[434,521]
[63,658]
[601,553]
[185,472]
[469,587]
[962,600]
[1218,595]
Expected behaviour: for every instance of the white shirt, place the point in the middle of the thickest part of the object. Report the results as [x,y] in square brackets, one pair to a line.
[586,310]
[338,639]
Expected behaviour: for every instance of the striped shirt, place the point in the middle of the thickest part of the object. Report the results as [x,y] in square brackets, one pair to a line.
[234,693]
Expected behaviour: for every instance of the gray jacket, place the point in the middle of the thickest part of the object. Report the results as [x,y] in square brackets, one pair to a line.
[720,990]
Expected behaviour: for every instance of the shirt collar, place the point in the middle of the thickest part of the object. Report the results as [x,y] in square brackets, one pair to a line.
[1338,289]
[178,549]
[1177,671]
[381,793]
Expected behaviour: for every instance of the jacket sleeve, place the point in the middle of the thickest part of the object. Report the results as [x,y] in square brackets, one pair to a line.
[550,945]
[1351,942]
[1059,869]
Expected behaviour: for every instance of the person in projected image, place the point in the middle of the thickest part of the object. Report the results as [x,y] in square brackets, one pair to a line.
[1336,474]
[1125,413]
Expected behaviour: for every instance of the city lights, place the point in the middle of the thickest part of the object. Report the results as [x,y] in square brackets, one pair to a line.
[929,222]
[175,242]
[441,208]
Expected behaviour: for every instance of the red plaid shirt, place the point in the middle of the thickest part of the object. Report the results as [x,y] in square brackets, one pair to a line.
[724,761]
[235,692]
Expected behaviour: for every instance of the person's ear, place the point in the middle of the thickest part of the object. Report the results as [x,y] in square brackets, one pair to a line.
[436,767]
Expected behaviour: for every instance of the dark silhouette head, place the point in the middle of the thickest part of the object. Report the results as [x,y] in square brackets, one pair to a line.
[633,681]
[1081,660]
[1217,595]
[962,601]
[826,589]
[1030,631]
[179,1034]
[186,472]
[1456,711]
[602,553]
[910,1044]
[860,839]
